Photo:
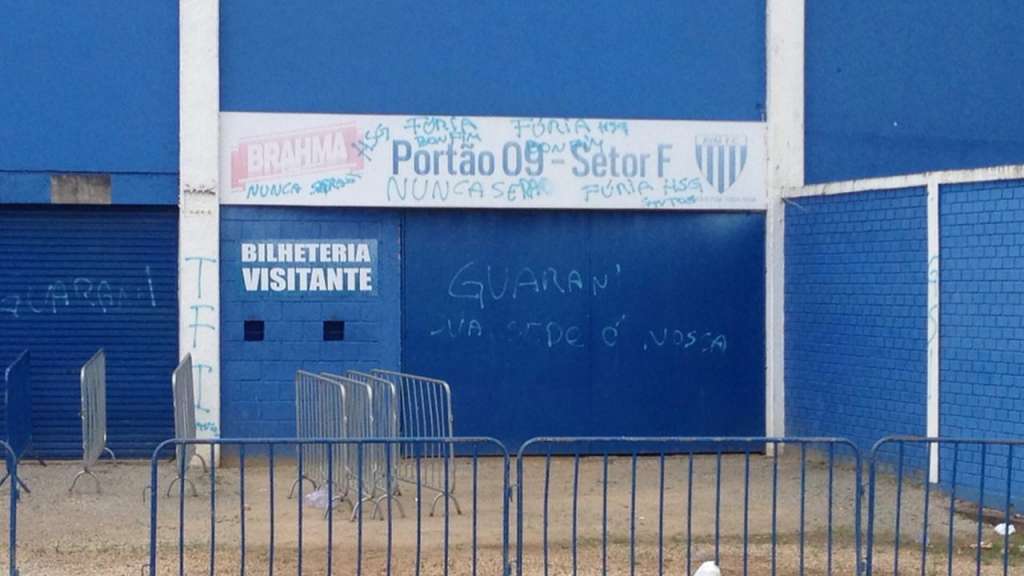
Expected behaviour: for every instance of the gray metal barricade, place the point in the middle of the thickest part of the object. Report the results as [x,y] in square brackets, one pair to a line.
[385,425]
[183,388]
[320,412]
[94,416]
[359,414]
[425,411]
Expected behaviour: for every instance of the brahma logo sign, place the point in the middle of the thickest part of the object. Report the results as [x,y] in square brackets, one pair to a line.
[301,152]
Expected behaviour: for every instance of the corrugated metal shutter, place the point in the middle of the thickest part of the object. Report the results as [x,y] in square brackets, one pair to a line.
[74,279]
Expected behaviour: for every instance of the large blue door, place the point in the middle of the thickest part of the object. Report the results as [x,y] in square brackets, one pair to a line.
[77,279]
[589,323]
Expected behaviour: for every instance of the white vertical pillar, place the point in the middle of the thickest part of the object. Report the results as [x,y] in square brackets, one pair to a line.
[199,210]
[933,326]
[785,110]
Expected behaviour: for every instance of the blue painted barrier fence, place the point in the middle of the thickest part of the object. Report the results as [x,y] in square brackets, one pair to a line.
[376,540]
[601,506]
[712,499]
[18,409]
[12,510]
[976,492]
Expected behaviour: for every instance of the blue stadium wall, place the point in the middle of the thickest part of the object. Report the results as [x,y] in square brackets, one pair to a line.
[91,87]
[654,59]
[258,376]
[885,95]
[982,327]
[912,86]
[856,315]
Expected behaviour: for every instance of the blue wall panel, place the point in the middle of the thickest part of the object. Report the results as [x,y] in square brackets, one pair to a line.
[914,85]
[982,325]
[80,278]
[589,323]
[856,303]
[258,378]
[89,86]
[127,189]
[646,59]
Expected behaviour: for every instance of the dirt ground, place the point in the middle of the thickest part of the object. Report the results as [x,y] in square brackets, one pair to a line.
[108,533]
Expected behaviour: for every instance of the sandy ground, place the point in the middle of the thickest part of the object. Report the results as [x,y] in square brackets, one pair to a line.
[108,533]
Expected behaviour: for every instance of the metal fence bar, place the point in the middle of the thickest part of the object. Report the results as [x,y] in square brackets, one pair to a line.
[18,410]
[425,410]
[968,486]
[477,543]
[94,417]
[728,502]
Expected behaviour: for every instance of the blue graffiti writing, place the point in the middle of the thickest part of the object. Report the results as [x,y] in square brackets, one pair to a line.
[617,189]
[325,185]
[440,191]
[371,138]
[673,202]
[201,260]
[453,130]
[195,325]
[672,186]
[704,341]
[613,127]
[462,327]
[485,284]
[59,295]
[522,189]
[272,190]
[542,127]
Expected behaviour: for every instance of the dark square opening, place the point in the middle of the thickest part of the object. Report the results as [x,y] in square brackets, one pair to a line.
[334,330]
[254,330]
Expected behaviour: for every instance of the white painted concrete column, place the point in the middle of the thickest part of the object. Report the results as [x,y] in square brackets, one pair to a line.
[933,325]
[785,110]
[199,223]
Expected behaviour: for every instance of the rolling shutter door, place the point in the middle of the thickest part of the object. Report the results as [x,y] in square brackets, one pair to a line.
[77,279]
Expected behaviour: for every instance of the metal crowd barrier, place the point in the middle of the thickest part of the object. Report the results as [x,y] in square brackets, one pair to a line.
[425,411]
[359,413]
[385,425]
[321,411]
[9,455]
[18,411]
[968,515]
[183,389]
[242,527]
[94,417]
[618,505]
[662,508]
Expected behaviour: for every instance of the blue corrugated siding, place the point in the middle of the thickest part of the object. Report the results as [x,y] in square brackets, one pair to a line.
[258,378]
[856,303]
[77,279]
[982,326]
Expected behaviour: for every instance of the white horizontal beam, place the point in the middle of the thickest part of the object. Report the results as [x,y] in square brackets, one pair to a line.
[992,173]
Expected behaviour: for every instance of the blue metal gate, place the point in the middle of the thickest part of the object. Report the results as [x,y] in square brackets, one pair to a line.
[589,323]
[77,279]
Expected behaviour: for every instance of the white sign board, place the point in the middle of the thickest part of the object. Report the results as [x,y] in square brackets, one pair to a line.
[490,162]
